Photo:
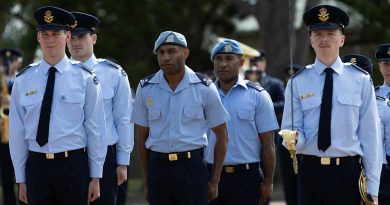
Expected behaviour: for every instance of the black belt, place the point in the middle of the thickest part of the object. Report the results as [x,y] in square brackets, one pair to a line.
[174,156]
[230,169]
[330,160]
[59,154]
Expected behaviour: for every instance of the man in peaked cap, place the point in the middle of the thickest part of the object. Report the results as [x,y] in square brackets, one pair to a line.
[117,105]
[11,61]
[57,131]
[250,130]
[362,61]
[335,116]
[382,55]
[172,110]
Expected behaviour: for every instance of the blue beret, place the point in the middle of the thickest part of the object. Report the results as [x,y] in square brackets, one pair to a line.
[170,38]
[227,46]
[324,17]
[383,52]
[53,18]
[85,23]
[362,61]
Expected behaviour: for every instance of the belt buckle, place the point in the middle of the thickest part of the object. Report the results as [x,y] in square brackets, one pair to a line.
[172,157]
[229,170]
[49,156]
[325,160]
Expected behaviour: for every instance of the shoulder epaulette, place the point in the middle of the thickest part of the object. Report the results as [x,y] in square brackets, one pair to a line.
[359,69]
[298,72]
[380,98]
[78,63]
[377,87]
[108,62]
[255,85]
[145,81]
[26,68]
[204,79]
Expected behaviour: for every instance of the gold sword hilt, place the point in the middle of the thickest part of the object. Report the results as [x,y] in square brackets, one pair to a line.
[290,139]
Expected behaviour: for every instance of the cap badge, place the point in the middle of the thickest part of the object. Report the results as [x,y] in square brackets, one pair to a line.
[48,18]
[73,25]
[8,54]
[353,61]
[323,15]
[388,52]
[170,39]
[228,48]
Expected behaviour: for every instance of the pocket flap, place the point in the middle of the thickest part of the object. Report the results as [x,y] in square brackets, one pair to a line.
[26,100]
[67,98]
[246,115]
[349,100]
[193,112]
[310,102]
[154,114]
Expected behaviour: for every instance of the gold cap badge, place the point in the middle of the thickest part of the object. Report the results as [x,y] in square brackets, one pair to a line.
[48,18]
[323,15]
[73,25]
[353,61]
[388,51]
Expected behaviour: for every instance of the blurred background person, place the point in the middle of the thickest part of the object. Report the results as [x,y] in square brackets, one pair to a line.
[11,62]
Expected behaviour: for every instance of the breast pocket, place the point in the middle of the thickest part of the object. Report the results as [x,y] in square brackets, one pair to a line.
[310,103]
[194,112]
[246,115]
[32,105]
[348,105]
[72,106]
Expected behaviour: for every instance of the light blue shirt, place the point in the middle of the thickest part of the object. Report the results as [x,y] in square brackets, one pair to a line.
[355,120]
[252,113]
[118,106]
[76,116]
[384,115]
[178,119]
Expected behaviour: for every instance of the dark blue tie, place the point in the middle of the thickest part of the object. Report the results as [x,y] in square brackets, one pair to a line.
[44,118]
[324,129]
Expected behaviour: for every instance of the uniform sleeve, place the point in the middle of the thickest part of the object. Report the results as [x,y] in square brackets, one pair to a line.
[265,110]
[215,112]
[17,142]
[369,137]
[298,114]
[95,128]
[139,115]
[121,111]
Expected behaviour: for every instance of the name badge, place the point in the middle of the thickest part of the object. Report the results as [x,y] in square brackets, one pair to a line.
[32,92]
[311,94]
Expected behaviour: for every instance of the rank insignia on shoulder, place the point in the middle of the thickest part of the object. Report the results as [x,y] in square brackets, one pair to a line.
[204,79]
[123,72]
[255,85]
[95,80]
[145,81]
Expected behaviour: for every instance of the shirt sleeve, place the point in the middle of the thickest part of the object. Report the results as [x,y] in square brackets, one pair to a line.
[139,115]
[121,111]
[287,121]
[216,113]
[95,127]
[17,142]
[369,137]
[265,110]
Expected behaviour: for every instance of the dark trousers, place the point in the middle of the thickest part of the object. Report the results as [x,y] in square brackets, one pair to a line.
[108,184]
[7,176]
[328,184]
[289,178]
[239,188]
[61,181]
[181,182]
[384,187]
[122,193]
